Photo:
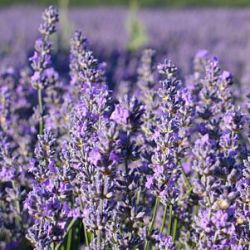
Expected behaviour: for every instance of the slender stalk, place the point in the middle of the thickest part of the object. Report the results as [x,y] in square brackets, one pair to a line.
[154,214]
[127,169]
[195,212]
[76,234]
[86,236]
[179,246]
[186,180]
[151,226]
[99,238]
[138,196]
[164,218]
[40,108]
[104,191]
[170,218]
[17,205]
[175,228]
[91,237]
[53,245]
[196,208]
[99,230]
[69,240]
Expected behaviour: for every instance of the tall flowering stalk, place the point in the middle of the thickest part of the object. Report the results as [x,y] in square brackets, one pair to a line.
[147,82]
[42,57]
[94,144]
[169,141]
[49,198]
[13,183]
[129,213]
[218,161]
[13,220]
[45,202]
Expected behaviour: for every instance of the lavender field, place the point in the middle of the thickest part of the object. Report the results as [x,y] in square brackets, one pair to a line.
[124,130]
[176,34]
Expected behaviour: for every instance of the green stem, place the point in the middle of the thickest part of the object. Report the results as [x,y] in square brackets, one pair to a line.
[175,228]
[179,246]
[138,197]
[195,212]
[86,236]
[69,239]
[151,226]
[196,208]
[186,180]
[99,230]
[164,218]
[17,205]
[99,233]
[99,238]
[53,245]
[40,108]
[170,218]
[91,237]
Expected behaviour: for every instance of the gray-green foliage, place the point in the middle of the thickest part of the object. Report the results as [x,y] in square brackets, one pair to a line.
[136,30]
[65,24]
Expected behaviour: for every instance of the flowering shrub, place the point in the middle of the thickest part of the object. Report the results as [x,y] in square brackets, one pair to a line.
[159,165]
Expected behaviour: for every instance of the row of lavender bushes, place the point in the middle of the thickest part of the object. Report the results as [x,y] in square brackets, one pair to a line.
[159,164]
[174,33]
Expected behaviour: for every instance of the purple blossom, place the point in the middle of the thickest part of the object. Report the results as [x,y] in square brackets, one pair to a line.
[120,115]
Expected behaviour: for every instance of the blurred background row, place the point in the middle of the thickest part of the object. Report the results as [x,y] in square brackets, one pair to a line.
[144,3]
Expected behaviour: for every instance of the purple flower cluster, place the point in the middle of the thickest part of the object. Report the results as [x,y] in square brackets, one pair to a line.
[160,165]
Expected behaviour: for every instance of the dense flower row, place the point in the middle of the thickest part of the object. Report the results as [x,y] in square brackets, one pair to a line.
[160,165]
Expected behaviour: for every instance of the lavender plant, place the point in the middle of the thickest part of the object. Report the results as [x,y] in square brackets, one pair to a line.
[162,164]
[42,58]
